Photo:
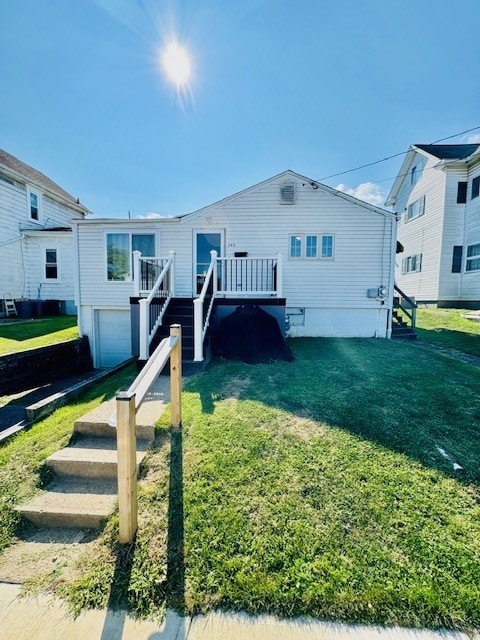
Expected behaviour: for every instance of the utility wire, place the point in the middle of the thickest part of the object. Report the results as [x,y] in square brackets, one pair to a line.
[395,155]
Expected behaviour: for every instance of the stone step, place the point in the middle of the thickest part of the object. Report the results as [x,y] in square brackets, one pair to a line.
[96,423]
[91,457]
[72,503]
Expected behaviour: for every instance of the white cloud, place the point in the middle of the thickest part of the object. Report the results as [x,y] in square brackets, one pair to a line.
[367,191]
[152,216]
[474,139]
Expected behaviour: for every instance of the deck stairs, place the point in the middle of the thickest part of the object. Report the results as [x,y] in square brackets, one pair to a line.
[403,316]
[401,330]
[82,492]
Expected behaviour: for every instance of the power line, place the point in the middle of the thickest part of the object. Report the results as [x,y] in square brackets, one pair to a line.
[395,155]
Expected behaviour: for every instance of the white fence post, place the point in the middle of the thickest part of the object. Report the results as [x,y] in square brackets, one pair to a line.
[214,256]
[144,329]
[172,274]
[279,275]
[136,273]
[197,330]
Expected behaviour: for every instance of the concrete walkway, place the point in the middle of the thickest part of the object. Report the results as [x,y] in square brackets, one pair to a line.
[43,618]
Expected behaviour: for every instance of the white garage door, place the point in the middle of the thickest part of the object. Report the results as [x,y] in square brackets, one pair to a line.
[113,337]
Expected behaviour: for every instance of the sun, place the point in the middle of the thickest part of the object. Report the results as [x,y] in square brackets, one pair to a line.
[177,64]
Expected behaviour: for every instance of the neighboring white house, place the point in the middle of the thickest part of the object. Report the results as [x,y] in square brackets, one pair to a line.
[36,247]
[436,195]
[328,256]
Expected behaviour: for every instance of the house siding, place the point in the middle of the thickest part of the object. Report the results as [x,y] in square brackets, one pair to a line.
[333,291]
[15,248]
[471,279]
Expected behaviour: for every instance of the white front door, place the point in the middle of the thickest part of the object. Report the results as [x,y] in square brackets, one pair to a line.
[203,243]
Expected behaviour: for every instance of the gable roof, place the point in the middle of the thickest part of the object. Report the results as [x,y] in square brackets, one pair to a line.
[449,151]
[25,173]
[292,174]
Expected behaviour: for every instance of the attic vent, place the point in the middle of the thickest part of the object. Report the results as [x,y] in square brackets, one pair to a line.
[287,193]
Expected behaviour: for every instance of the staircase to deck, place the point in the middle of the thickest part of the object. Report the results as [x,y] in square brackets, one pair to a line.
[403,316]
[83,489]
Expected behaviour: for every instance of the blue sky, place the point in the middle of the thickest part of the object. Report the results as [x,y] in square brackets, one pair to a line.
[317,87]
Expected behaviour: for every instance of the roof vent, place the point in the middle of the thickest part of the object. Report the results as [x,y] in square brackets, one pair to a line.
[287,193]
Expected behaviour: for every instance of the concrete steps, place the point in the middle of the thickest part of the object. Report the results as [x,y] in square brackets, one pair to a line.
[84,491]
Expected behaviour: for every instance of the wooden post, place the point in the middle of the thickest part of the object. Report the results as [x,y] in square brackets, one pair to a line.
[127,467]
[176,377]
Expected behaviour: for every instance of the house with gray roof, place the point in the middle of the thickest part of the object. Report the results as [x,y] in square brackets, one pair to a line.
[436,195]
[36,239]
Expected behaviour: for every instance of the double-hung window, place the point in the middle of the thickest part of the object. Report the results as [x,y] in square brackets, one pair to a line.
[34,205]
[120,247]
[412,264]
[51,264]
[311,246]
[473,258]
[415,209]
[475,187]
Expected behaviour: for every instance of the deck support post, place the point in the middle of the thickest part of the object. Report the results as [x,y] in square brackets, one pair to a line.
[176,376]
[127,467]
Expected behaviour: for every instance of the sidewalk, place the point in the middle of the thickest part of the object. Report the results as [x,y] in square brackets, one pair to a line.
[43,618]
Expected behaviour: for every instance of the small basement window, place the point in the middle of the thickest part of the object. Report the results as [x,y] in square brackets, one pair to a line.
[287,193]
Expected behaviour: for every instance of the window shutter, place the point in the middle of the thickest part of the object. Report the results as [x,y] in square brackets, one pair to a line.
[462,192]
[457,258]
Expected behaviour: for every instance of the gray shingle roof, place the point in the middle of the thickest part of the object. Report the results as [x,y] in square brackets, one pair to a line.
[38,179]
[449,151]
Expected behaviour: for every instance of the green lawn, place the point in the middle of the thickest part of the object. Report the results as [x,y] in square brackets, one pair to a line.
[39,332]
[447,328]
[316,487]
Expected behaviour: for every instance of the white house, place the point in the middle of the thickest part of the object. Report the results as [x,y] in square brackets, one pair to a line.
[325,258]
[436,195]
[36,247]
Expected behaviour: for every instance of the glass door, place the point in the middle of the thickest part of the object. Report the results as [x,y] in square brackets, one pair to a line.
[204,242]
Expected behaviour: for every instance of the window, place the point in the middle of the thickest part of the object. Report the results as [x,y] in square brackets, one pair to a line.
[311,246]
[51,264]
[473,258]
[475,187]
[457,259]
[415,209]
[287,193]
[119,252]
[462,192]
[416,172]
[412,263]
[34,205]
[311,249]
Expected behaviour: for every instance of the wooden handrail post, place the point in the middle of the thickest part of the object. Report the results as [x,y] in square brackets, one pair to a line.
[127,467]
[176,376]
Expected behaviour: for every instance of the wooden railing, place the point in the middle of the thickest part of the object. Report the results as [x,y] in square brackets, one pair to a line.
[234,277]
[153,308]
[127,405]
[406,305]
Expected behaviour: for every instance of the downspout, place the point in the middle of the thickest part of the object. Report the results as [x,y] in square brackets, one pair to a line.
[76,262]
[391,284]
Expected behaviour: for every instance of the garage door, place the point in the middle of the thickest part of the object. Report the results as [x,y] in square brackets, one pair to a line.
[113,337]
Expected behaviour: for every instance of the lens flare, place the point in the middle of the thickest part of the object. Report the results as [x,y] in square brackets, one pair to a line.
[177,64]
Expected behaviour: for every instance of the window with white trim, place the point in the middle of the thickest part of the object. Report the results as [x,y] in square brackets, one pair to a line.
[472,262]
[51,264]
[311,246]
[120,247]
[34,205]
[412,264]
[415,209]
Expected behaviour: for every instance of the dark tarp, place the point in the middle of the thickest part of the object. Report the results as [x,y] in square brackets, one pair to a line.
[251,335]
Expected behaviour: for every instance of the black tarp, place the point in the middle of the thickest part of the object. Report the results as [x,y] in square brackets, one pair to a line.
[251,335]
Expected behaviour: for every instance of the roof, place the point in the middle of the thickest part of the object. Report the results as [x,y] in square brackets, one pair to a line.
[449,151]
[292,174]
[15,167]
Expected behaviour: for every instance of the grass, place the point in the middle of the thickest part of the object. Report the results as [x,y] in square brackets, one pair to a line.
[447,328]
[40,332]
[21,457]
[315,487]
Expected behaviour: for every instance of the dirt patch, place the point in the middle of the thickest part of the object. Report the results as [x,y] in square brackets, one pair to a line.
[235,387]
[46,556]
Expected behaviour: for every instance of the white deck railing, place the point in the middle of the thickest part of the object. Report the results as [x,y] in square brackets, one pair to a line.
[153,308]
[233,277]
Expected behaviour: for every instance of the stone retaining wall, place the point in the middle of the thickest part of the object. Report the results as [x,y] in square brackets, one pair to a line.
[27,369]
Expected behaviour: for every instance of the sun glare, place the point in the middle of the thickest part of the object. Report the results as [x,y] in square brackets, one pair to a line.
[177,64]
